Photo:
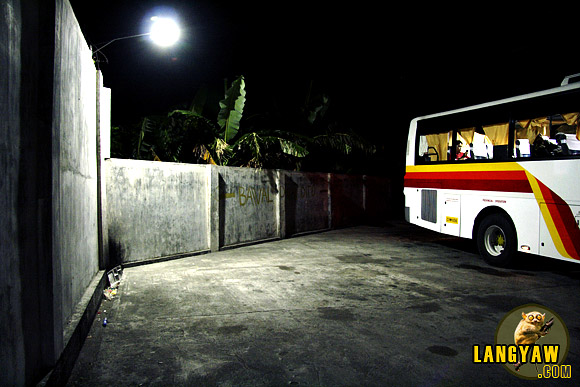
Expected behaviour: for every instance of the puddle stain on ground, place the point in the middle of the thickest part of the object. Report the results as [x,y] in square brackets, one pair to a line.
[486,270]
[336,314]
[426,308]
[442,350]
[360,258]
[232,329]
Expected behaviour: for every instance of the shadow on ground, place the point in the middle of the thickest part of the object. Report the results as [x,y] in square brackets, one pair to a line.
[358,306]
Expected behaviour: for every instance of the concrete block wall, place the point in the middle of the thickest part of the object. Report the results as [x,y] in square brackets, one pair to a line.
[156,209]
[12,351]
[306,202]
[74,169]
[48,184]
[378,200]
[159,210]
[347,200]
[249,205]
[63,205]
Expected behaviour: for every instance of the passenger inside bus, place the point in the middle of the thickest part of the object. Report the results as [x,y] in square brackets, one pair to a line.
[549,136]
[482,147]
[462,152]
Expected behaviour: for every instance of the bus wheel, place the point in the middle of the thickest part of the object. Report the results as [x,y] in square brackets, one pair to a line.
[496,240]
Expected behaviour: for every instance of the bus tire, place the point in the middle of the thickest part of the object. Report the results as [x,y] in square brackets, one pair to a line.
[497,240]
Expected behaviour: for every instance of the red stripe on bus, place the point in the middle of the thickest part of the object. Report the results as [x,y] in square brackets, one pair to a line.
[564,221]
[502,181]
[505,181]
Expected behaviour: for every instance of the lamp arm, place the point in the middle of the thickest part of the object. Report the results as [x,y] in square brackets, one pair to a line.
[114,40]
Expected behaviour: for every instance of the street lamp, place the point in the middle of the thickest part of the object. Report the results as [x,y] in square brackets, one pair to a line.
[164,32]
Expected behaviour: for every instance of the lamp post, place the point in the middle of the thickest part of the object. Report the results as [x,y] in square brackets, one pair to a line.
[164,32]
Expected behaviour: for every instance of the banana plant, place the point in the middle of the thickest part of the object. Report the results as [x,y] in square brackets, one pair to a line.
[187,136]
[232,109]
[268,149]
[256,149]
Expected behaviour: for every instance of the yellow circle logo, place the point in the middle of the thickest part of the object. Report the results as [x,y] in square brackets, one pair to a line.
[534,342]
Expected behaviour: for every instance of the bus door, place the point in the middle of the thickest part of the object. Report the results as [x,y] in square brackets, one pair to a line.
[450,214]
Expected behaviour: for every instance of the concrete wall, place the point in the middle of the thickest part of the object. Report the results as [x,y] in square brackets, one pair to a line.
[63,206]
[347,201]
[48,186]
[12,356]
[74,188]
[249,205]
[379,203]
[158,210]
[306,202]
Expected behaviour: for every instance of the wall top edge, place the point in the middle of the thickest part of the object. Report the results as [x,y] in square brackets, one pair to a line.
[156,164]
[168,164]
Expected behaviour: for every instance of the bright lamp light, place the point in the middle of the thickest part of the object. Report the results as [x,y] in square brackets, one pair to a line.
[164,32]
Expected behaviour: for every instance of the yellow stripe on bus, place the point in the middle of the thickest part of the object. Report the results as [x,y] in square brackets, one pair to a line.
[547,216]
[494,167]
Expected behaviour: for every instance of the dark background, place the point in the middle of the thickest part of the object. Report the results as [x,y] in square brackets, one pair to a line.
[380,64]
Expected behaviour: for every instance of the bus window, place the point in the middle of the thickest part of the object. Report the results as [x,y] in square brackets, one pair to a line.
[433,147]
[464,139]
[566,133]
[470,143]
[499,136]
[549,136]
[482,147]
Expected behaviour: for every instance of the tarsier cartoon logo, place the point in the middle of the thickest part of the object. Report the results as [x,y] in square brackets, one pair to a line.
[531,342]
[530,329]
[539,338]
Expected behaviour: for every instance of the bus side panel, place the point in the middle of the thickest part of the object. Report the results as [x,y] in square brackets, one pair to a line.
[523,211]
[415,205]
[556,241]
[556,186]
[560,176]
[450,204]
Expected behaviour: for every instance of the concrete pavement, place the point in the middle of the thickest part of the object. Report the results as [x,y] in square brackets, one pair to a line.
[356,306]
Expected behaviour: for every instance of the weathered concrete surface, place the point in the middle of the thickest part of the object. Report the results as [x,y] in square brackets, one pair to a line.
[74,167]
[156,209]
[48,195]
[159,210]
[356,306]
[379,203]
[306,202]
[249,205]
[12,355]
[347,200]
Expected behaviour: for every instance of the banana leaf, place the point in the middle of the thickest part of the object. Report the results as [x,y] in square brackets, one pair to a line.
[231,109]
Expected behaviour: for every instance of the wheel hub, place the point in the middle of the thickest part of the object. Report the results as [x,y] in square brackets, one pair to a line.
[494,240]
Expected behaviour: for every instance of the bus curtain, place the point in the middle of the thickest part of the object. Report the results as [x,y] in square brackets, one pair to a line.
[498,134]
[464,138]
[531,128]
[572,120]
[439,141]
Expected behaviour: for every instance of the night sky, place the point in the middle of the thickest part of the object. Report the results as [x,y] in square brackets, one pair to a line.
[380,64]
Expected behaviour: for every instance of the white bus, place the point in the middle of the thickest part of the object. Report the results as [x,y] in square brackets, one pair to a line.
[504,173]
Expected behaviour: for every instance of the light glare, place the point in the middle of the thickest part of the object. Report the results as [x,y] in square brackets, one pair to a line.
[164,32]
